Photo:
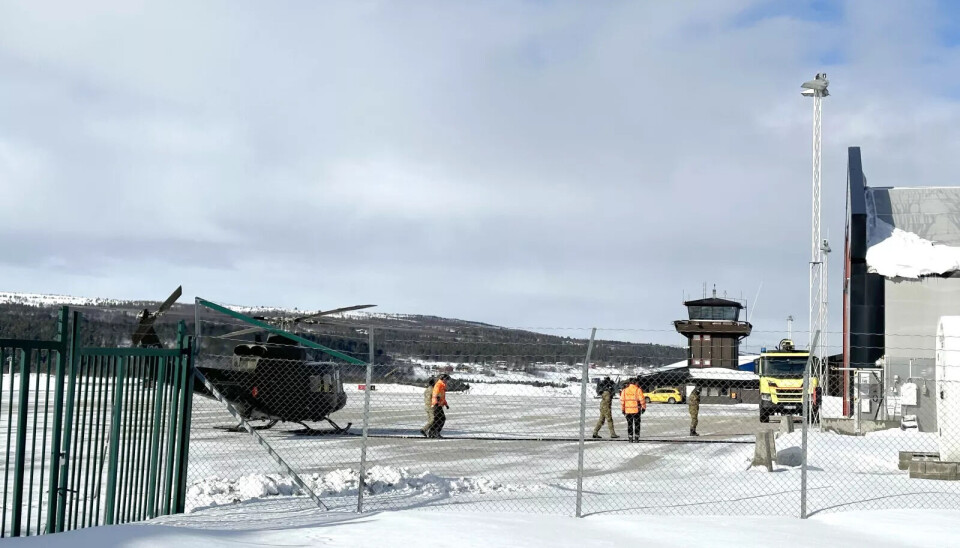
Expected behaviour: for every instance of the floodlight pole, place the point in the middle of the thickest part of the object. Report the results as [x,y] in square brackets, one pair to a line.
[817,88]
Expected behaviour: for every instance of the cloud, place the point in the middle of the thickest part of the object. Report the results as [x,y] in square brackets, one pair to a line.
[512,162]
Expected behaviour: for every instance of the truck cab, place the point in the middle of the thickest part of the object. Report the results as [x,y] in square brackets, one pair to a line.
[781,382]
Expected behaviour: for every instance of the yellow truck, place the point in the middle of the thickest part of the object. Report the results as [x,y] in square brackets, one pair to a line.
[781,382]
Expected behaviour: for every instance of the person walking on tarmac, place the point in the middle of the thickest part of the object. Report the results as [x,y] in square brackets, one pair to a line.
[633,404]
[439,402]
[606,387]
[693,402]
[428,405]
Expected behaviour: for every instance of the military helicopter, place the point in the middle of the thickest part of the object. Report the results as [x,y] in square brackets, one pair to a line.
[272,380]
[276,381]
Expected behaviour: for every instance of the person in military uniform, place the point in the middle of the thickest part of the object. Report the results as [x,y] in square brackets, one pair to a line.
[428,405]
[693,402]
[606,388]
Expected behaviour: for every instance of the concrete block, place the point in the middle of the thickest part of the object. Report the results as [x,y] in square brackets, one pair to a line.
[765,451]
[930,469]
[786,425]
[906,457]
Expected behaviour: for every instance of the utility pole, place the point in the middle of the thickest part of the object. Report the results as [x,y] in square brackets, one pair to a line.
[817,88]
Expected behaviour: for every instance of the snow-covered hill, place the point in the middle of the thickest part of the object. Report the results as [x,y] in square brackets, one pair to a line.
[39,300]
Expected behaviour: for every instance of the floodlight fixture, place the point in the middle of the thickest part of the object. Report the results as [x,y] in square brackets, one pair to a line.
[817,86]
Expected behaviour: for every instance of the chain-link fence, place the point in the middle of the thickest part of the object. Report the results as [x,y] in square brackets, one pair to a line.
[546,425]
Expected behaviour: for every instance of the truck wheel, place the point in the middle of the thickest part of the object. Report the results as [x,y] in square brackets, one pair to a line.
[647,399]
[764,417]
[672,400]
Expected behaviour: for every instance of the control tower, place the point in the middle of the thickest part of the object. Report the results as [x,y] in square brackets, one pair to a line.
[713,331]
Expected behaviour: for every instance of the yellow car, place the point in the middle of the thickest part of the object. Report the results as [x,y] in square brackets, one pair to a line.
[664,395]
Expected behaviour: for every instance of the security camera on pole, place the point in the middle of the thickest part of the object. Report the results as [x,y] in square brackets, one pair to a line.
[817,88]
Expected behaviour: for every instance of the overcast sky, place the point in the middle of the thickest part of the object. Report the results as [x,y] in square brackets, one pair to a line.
[552,164]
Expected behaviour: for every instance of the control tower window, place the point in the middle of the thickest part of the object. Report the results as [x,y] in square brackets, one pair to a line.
[728,313]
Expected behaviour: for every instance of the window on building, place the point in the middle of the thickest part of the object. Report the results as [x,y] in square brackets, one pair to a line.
[728,313]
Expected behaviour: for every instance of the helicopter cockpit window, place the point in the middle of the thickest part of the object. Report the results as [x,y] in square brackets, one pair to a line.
[321,383]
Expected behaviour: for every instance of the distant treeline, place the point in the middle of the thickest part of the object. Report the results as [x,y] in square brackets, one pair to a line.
[416,337]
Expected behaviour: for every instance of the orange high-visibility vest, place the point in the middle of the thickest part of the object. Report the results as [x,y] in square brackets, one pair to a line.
[439,393]
[631,400]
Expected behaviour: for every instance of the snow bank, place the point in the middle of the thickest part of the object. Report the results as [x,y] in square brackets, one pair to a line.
[478,388]
[386,389]
[383,479]
[525,390]
[873,453]
[832,407]
[216,491]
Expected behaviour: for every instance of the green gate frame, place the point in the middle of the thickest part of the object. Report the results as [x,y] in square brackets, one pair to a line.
[148,392]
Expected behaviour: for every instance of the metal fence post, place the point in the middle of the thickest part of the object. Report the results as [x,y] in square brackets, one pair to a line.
[154,463]
[184,344]
[74,360]
[806,421]
[20,462]
[366,422]
[63,337]
[171,437]
[112,468]
[583,420]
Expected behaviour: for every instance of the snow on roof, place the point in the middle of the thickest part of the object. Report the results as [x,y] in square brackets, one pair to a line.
[913,232]
[720,373]
[675,365]
[744,359]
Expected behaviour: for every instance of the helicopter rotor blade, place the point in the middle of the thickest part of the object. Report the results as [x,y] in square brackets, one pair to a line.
[334,311]
[170,300]
[241,332]
[281,321]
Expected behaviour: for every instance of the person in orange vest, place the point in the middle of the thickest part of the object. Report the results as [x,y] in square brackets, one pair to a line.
[439,402]
[633,404]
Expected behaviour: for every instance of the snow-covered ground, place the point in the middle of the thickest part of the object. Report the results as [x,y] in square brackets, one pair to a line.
[514,449]
[276,523]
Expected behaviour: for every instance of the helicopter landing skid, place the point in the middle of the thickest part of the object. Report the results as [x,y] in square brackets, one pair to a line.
[240,428]
[337,429]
